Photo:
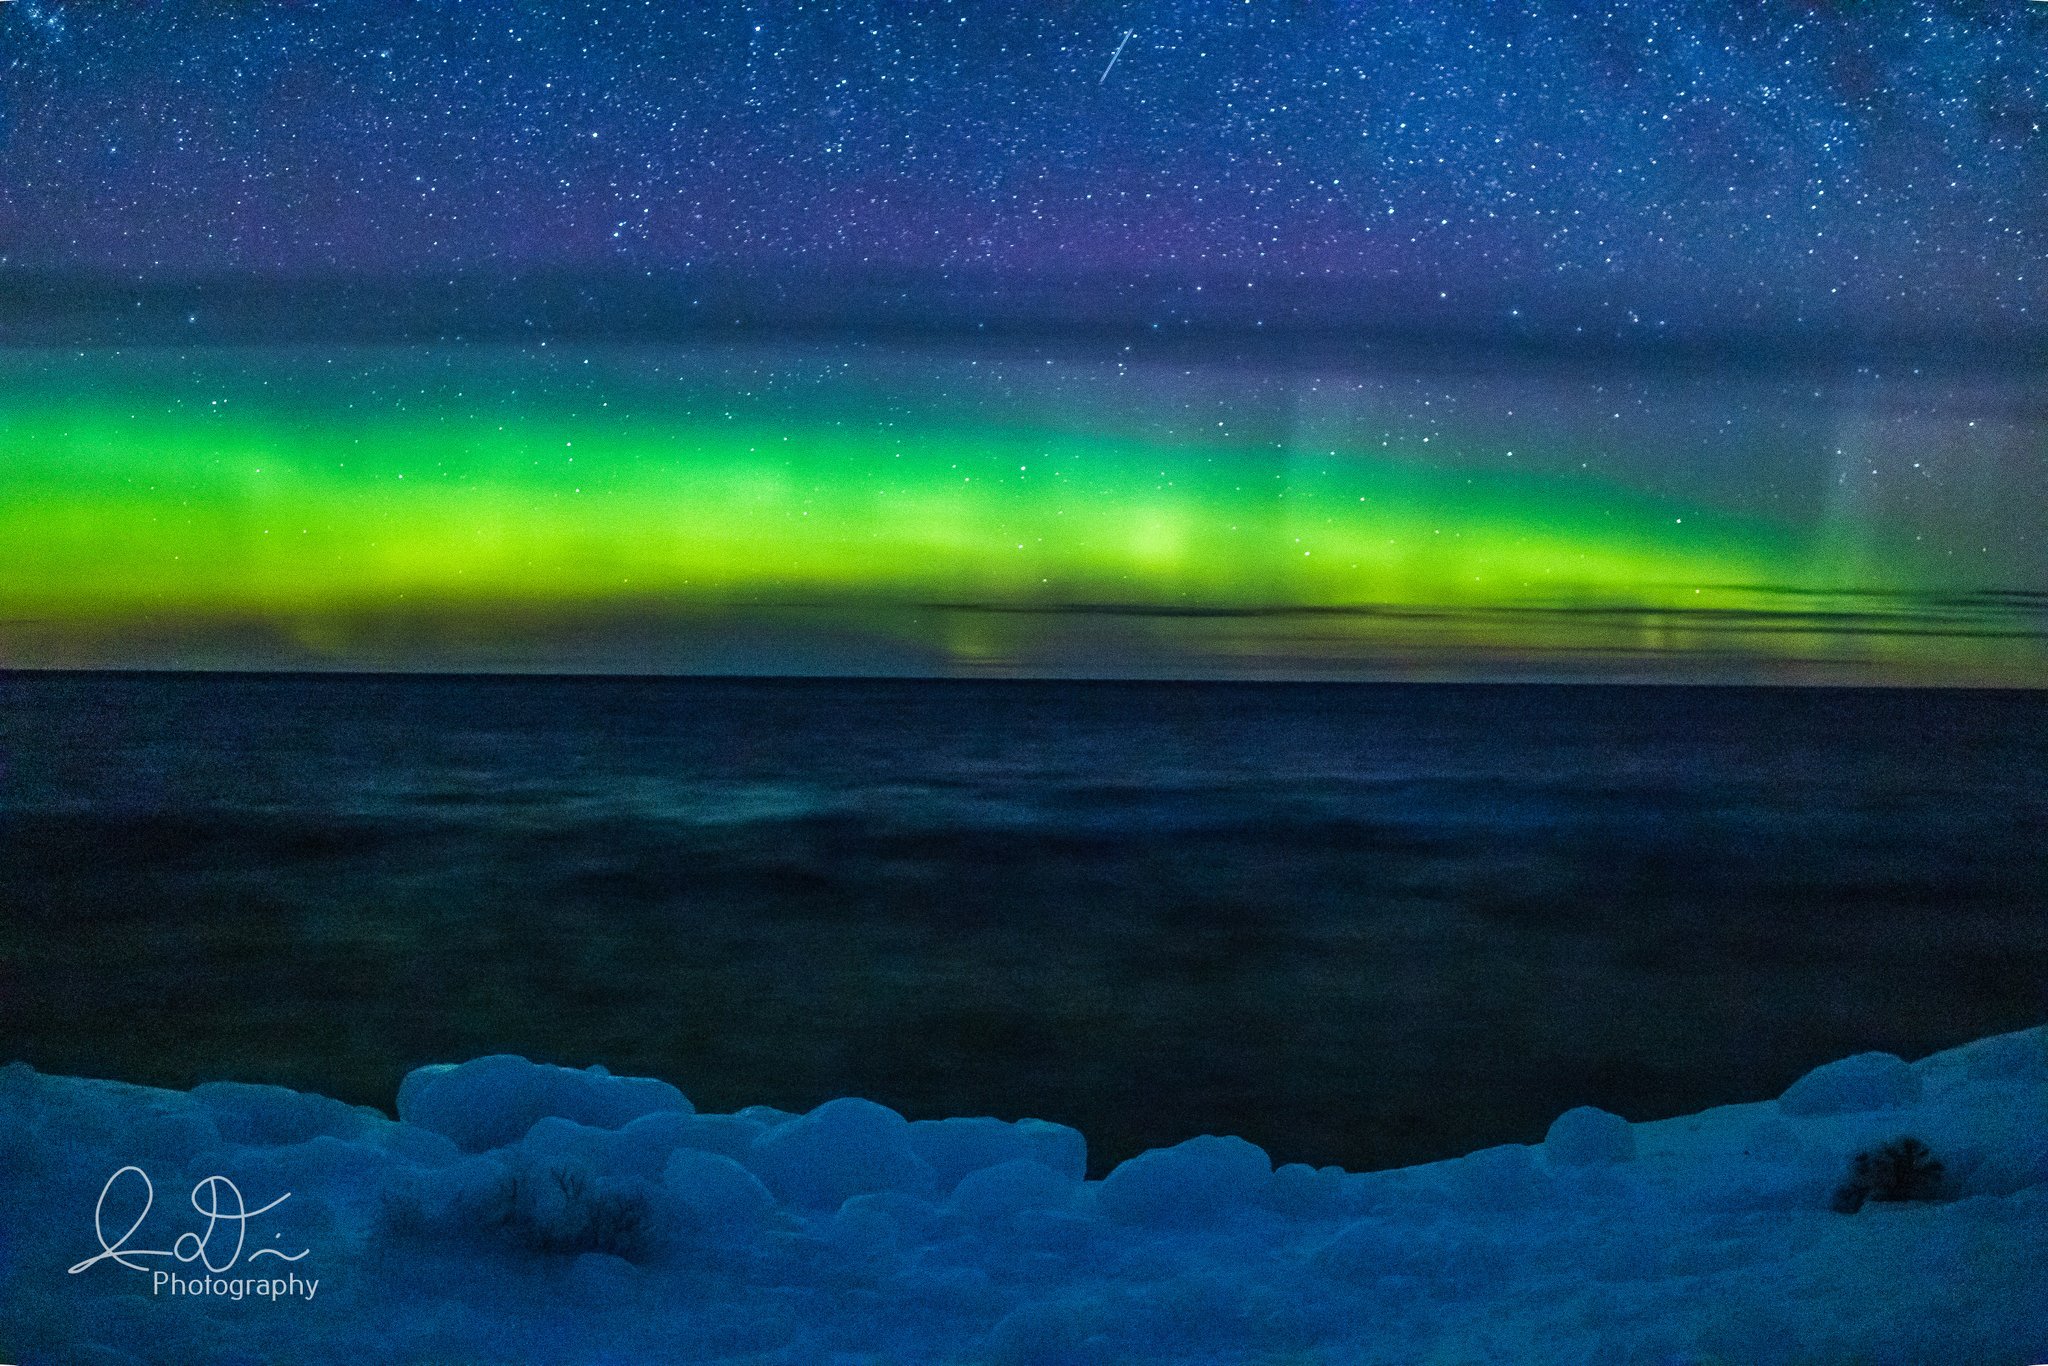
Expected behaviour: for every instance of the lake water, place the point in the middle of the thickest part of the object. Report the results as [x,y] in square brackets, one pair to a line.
[1367,924]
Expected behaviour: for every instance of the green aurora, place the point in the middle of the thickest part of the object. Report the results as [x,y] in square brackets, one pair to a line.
[464,508]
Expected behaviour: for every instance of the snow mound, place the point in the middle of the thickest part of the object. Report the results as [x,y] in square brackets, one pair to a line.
[956,1147]
[492,1102]
[1204,1180]
[1868,1081]
[1586,1135]
[518,1212]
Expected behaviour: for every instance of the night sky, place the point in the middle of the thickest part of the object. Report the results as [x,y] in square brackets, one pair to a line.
[1649,165]
[1636,340]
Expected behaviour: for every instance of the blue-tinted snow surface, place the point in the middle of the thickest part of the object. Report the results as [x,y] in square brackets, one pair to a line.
[523,1213]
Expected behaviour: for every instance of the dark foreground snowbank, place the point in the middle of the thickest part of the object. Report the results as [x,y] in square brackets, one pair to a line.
[521,1213]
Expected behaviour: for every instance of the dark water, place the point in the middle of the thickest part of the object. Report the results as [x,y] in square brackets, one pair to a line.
[1361,924]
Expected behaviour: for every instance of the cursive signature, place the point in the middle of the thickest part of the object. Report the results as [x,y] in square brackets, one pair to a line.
[187,1247]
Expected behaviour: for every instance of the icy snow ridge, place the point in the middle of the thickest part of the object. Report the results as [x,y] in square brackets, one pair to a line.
[517,1212]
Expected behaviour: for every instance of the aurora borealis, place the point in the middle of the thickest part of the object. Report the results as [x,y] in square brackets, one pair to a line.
[1305,339]
[816,509]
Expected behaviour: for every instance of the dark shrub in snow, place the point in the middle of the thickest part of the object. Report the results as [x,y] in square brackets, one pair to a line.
[563,1211]
[1902,1169]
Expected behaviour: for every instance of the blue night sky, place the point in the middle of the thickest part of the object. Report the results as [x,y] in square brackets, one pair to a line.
[1639,166]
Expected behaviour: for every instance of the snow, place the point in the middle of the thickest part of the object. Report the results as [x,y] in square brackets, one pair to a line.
[1205,1180]
[518,1213]
[841,1149]
[490,1102]
[1868,1081]
[1585,1135]
[955,1147]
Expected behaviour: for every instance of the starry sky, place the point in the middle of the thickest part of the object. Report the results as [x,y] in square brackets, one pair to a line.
[1678,164]
[1294,338]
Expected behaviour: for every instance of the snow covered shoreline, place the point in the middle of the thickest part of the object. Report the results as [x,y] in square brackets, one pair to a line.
[523,1213]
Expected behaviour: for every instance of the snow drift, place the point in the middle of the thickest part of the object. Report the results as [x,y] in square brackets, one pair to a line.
[516,1212]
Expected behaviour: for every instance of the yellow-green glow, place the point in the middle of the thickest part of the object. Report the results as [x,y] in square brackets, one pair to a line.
[321,500]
